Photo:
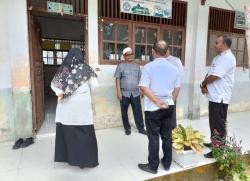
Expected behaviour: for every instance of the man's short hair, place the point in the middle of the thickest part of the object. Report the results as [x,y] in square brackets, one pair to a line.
[227,39]
[160,47]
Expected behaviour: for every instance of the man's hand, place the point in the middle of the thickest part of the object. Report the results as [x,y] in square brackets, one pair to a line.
[203,87]
[161,104]
[119,96]
[60,97]
[118,90]
[204,90]
[147,92]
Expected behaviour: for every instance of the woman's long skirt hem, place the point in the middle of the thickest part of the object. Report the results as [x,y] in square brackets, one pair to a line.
[76,145]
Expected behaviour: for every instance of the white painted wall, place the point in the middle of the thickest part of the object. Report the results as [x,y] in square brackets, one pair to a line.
[14,58]
[190,100]
[240,99]
[14,40]
[5,70]
[14,71]
[237,4]
[93,52]
[14,47]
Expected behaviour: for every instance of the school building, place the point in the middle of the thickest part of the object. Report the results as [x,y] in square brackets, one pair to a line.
[35,40]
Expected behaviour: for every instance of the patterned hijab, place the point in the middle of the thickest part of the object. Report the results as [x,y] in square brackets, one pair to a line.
[72,73]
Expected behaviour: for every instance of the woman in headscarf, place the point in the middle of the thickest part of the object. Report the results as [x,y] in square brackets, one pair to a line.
[76,141]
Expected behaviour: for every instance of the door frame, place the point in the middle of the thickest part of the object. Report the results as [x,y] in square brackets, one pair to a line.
[31,10]
[36,125]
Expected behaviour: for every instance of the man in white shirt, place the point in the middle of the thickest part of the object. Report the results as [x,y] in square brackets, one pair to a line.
[158,83]
[218,85]
[177,63]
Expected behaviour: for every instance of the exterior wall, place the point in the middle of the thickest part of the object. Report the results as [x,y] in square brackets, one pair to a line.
[191,103]
[247,12]
[15,99]
[240,98]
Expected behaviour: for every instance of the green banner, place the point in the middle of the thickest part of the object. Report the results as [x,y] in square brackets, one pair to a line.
[59,8]
[240,20]
[156,8]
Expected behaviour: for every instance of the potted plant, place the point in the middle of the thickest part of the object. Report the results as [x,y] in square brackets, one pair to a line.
[187,142]
[228,154]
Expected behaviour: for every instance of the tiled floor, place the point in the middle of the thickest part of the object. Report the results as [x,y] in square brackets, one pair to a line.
[118,155]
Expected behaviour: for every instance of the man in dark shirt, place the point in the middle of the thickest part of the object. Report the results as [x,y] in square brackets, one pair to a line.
[127,76]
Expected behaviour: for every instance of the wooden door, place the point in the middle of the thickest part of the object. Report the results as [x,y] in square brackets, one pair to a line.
[36,62]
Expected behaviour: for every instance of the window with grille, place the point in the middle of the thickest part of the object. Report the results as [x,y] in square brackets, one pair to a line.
[115,37]
[222,22]
[118,30]
[238,48]
[145,37]
[175,37]
[54,51]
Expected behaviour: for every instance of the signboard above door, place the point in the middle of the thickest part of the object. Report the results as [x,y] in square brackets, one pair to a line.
[59,8]
[156,8]
[240,20]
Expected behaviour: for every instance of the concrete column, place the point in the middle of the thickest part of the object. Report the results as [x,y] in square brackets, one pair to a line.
[20,67]
[247,13]
[6,103]
[196,48]
[15,97]
[93,49]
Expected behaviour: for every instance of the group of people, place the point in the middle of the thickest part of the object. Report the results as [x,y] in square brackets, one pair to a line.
[159,85]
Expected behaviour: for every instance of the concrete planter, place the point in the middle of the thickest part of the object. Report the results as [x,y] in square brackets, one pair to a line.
[187,159]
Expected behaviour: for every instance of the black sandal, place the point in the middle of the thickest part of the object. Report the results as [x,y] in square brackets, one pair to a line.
[18,144]
[27,142]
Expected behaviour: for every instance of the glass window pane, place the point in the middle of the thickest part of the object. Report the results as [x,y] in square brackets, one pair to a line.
[234,43]
[59,61]
[149,56]
[50,54]
[167,36]
[240,58]
[44,53]
[120,47]
[109,31]
[171,49]
[152,35]
[50,61]
[140,52]
[212,40]
[211,55]
[122,33]
[177,52]
[65,54]
[241,44]
[45,60]
[140,35]
[109,51]
[177,36]
[57,44]
[59,54]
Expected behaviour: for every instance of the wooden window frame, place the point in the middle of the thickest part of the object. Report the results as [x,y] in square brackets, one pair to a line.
[146,44]
[101,42]
[131,39]
[182,46]
[245,56]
